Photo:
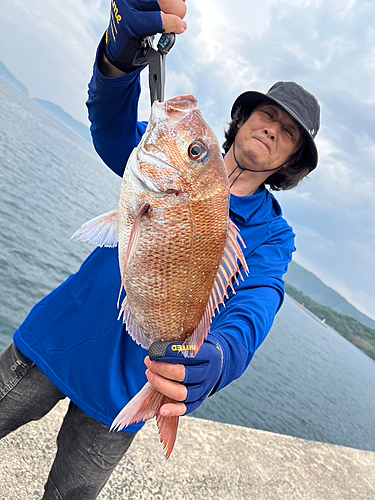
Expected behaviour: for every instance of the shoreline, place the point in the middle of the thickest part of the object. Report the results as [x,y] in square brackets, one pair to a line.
[210,460]
[309,312]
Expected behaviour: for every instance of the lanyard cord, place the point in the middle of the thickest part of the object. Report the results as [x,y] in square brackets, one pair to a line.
[242,168]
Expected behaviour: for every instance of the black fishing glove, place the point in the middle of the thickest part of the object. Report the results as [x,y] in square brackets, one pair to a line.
[130,22]
[202,372]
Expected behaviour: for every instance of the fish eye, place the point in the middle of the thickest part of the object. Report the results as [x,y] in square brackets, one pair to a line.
[197,150]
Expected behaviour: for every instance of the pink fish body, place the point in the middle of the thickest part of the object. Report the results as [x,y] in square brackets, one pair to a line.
[178,249]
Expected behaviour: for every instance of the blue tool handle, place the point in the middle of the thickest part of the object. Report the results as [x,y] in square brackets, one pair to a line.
[166,42]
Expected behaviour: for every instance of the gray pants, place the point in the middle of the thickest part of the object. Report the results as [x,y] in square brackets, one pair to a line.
[87,452]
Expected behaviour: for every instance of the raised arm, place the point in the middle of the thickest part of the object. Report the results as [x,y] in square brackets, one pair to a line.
[112,107]
[115,85]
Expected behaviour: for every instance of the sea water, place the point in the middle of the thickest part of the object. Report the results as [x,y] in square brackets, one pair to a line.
[306,380]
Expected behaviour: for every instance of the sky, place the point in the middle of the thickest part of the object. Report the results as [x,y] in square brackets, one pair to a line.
[230,47]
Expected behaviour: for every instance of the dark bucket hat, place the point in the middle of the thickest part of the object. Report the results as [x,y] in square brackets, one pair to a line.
[295,100]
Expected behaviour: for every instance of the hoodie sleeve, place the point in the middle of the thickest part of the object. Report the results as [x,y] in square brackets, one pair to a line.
[241,326]
[112,107]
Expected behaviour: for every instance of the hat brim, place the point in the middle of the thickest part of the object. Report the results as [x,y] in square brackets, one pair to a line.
[250,99]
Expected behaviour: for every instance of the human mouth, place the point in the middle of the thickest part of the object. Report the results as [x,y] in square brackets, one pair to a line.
[262,142]
[267,142]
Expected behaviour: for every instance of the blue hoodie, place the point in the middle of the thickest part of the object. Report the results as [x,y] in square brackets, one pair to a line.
[73,334]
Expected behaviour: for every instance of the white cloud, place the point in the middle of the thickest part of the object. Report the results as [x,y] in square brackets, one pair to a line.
[347,266]
[52,48]
[295,49]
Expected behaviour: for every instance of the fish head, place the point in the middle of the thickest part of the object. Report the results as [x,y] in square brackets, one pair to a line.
[179,153]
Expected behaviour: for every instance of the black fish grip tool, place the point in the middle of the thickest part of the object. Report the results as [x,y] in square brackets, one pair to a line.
[156,64]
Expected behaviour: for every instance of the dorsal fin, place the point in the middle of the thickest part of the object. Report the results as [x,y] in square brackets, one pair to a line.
[228,270]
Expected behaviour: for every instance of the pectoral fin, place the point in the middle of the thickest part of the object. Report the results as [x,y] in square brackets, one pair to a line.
[101,231]
[134,238]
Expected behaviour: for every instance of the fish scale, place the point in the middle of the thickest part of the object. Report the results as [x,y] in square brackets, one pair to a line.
[162,259]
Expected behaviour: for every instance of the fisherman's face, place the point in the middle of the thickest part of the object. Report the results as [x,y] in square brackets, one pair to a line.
[268,138]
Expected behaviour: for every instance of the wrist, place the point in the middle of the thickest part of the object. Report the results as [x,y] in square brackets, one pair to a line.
[132,57]
[107,73]
[216,339]
[108,69]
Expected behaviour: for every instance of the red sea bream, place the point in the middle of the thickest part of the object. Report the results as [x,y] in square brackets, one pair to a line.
[178,249]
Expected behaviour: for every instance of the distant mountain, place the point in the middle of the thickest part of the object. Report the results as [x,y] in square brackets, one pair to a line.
[314,288]
[358,334]
[63,117]
[7,75]
[57,112]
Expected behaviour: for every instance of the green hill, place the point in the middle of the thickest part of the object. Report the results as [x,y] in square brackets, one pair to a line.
[360,335]
[314,288]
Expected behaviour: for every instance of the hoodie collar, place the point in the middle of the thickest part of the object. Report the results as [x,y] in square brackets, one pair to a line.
[260,207]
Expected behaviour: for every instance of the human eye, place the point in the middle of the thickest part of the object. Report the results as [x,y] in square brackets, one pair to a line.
[268,113]
[289,132]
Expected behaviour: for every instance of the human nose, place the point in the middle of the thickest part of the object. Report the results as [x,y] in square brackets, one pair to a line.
[272,131]
[269,134]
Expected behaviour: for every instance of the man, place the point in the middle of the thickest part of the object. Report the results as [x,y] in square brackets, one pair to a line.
[72,345]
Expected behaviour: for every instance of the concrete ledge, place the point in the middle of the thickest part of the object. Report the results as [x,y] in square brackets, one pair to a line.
[210,461]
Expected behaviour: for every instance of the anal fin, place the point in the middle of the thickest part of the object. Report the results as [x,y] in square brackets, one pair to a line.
[131,326]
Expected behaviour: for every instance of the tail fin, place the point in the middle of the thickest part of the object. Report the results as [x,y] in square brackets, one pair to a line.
[144,406]
[167,432]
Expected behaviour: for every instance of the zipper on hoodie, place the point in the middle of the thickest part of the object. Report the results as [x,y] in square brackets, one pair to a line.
[17,361]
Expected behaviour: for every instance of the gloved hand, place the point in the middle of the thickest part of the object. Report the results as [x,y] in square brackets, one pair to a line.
[131,21]
[202,372]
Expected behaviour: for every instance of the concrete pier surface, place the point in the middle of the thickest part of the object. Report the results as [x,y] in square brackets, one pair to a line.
[210,461]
